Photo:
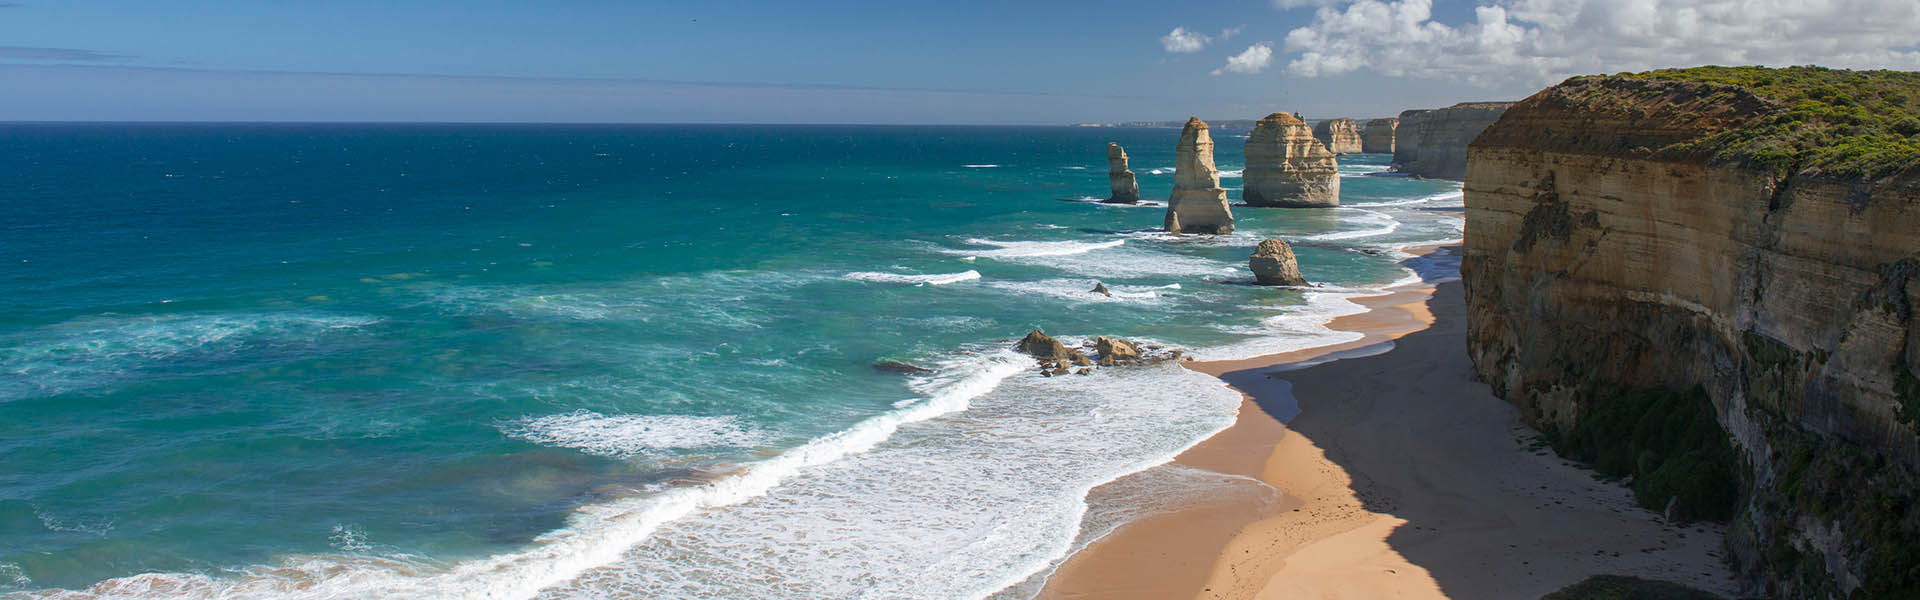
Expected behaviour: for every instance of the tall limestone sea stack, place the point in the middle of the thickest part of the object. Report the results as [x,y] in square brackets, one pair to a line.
[1287,167]
[1377,138]
[1341,136]
[1678,275]
[1119,177]
[1433,143]
[1198,204]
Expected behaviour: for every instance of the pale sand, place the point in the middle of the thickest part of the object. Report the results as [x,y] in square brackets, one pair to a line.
[1404,478]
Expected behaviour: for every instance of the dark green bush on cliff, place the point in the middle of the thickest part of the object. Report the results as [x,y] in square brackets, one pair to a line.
[1669,443]
[1617,587]
[1841,123]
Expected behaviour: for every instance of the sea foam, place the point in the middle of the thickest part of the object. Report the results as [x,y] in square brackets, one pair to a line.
[930,279]
[628,436]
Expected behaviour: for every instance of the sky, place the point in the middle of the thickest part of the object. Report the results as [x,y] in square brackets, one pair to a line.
[901,61]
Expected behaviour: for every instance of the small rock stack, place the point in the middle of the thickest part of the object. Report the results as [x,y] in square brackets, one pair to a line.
[1198,204]
[1120,178]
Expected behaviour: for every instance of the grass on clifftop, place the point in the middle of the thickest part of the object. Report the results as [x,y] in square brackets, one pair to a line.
[1841,123]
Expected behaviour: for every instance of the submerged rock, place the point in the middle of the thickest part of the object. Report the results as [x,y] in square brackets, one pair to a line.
[1198,204]
[1120,178]
[1287,168]
[1341,136]
[897,367]
[1273,264]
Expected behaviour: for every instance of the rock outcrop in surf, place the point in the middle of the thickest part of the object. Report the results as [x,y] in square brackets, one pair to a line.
[1198,204]
[1287,168]
[1377,138]
[1273,263]
[1120,178]
[1341,136]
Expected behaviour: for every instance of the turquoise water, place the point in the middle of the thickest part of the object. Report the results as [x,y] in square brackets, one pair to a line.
[509,361]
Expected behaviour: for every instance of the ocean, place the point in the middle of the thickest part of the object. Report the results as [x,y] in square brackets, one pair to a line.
[540,361]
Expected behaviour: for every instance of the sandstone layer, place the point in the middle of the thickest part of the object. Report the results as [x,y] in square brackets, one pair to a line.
[1273,263]
[1198,204]
[1377,138]
[1609,249]
[1341,136]
[1120,178]
[1287,167]
[1433,143]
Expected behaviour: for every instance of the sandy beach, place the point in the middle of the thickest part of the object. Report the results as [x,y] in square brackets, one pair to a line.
[1401,477]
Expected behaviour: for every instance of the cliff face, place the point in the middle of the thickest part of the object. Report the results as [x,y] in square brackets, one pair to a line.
[1608,250]
[1433,143]
[1120,178]
[1377,138]
[1287,167]
[1341,136]
[1198,203]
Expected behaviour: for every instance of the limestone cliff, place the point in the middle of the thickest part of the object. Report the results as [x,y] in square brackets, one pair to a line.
[1341,136]
[1287,167]
[1377,138]
[1433,143]
[1664,231]
[1125,189]
[1198,204]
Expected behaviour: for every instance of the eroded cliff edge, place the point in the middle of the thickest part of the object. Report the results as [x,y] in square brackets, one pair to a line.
[1751,233]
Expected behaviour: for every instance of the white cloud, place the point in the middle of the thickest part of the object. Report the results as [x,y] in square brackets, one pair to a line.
[1253,60]
[1228,33]
[1542,41]
[1180,40]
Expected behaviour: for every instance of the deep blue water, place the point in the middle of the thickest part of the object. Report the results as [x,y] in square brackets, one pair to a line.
[432,360]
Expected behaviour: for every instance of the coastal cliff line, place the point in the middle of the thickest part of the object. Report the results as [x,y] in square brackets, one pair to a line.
[1742,240]
[1433,143]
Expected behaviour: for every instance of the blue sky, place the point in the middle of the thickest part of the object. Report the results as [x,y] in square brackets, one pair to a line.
[865,62]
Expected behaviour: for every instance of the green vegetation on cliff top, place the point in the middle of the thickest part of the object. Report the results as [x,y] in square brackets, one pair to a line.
[1840,123]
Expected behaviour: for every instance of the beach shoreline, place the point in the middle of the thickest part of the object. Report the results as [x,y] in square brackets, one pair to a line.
[1358,514]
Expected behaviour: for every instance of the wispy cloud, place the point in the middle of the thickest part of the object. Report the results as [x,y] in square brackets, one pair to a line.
[63,54]
[1182,41]
[1254,60]
[1228,33]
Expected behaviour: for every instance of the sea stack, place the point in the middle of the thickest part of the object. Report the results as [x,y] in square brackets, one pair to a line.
[1125,189]
[1273,264]
[1197,205]
[1287,167]
[1341,136]
[1377,138]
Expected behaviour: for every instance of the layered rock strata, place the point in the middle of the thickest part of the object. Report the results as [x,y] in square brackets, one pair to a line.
[1377,138]
[1610,247]
[1273,263]
[1120,178]
[1198,204]
[1433,143]
[1286,167]
[1341,136]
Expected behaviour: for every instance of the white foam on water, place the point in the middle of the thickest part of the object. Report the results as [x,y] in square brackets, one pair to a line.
[980,166]
[959,506]
[929,279]
[11,575]
[1079,290]
[1295,328]
[628,436]
[1362,170]
[595,535]
[1022,249]
[1231,173]
[1075,168]
[1386,226]
[96,351]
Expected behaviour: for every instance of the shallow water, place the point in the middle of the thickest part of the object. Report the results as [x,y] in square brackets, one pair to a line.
[324,361]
